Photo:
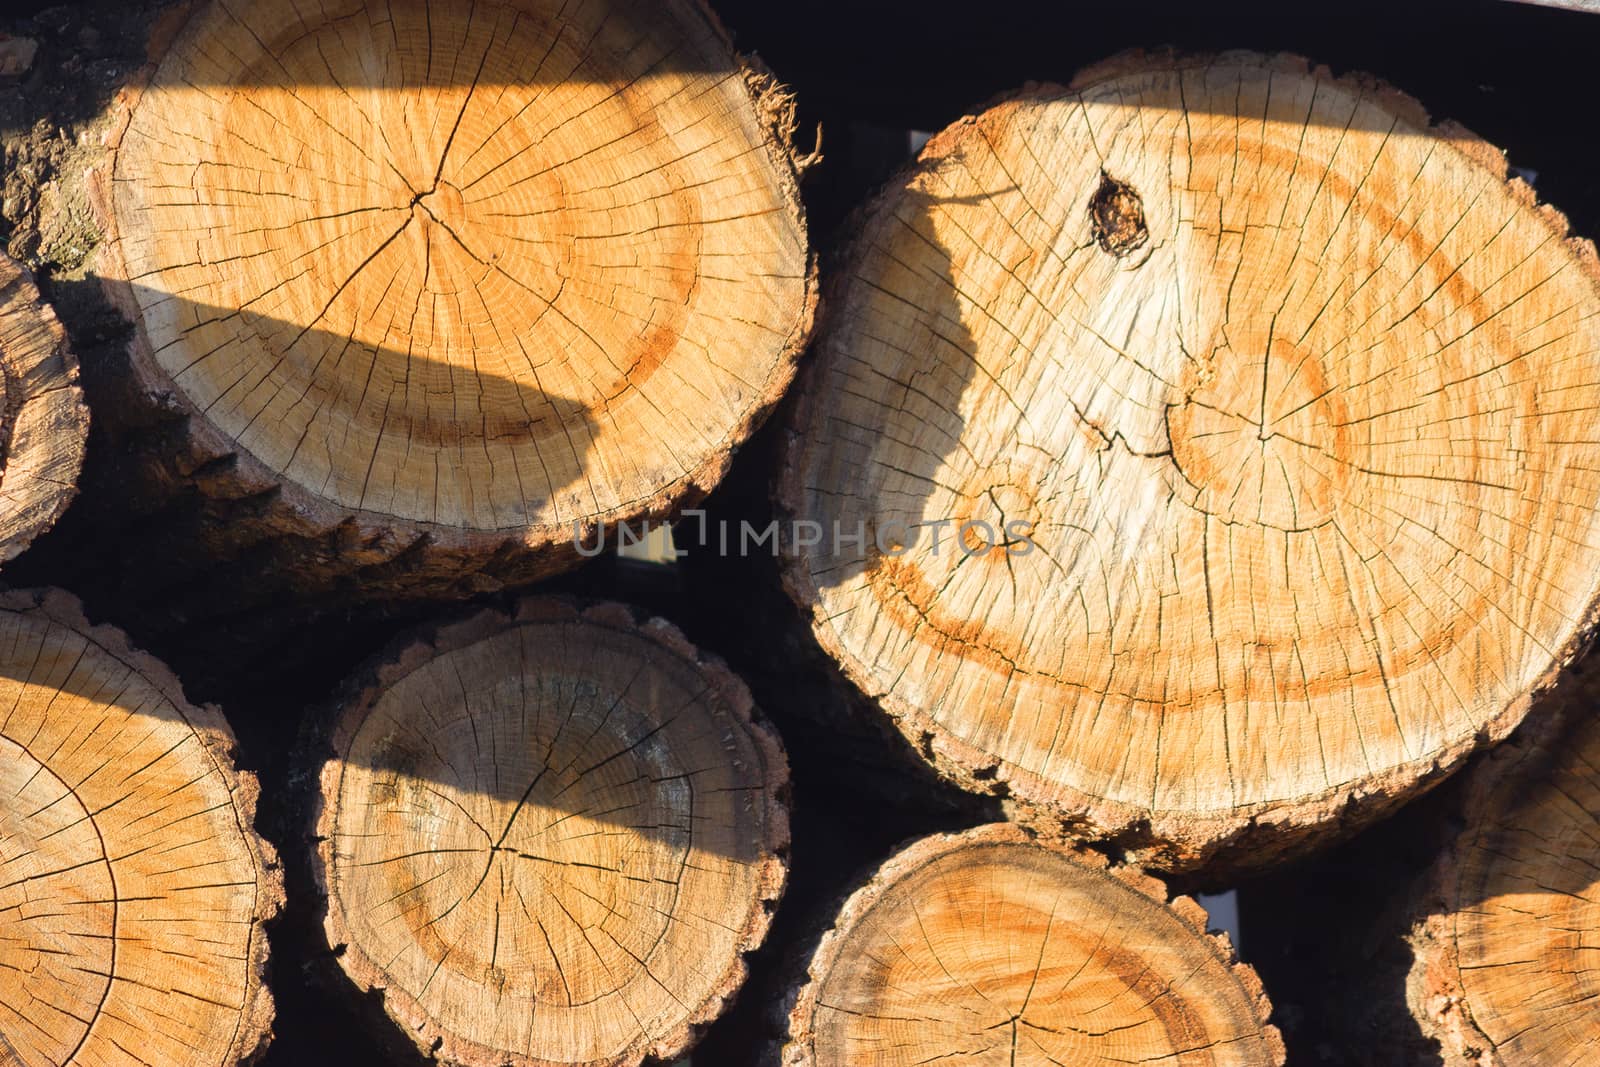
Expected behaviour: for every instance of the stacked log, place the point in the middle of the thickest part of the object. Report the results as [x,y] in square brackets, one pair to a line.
[43,422]
[436,292]
[133,887]
[1505,966]
[996,947]
[550,838]
[1204,454]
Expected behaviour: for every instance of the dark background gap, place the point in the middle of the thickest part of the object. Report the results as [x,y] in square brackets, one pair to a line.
[870,74]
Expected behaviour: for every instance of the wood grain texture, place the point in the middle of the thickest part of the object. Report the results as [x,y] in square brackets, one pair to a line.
[43,421]
[1293,393]
[478,277]
[991,947]
[550,839]
[133,887]
[1506,969]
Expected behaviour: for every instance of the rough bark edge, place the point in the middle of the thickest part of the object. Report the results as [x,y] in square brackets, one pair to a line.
[232,472]
[254,1031]
[413,651]
[1249,837]
[44,420]
[1435,993]
[794,1014]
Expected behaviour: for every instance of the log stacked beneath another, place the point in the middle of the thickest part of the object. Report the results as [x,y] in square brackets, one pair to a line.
[1507,967]
[1205,454]
[550,839]
[467,280]
[43,422]
[133,887]
[990,947]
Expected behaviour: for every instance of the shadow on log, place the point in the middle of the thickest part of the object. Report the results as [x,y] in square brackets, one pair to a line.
[409,321]
[550,838]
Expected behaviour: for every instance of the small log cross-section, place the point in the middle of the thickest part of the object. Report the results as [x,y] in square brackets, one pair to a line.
[43,421]
[1507,968]
[1205,453]
[990,947]
[551,839]
[479,275]
[133,887]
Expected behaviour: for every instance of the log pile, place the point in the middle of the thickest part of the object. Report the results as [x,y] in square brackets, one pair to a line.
[1195,464]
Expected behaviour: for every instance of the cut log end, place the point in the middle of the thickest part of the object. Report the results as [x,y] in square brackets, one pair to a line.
[551,840]
[492,272]
[1220,433]
[1505,964]
[993,946]
[43,420]
[132,883]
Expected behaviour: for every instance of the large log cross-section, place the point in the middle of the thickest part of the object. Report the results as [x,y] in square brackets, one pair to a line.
[1257,417]
[468,279]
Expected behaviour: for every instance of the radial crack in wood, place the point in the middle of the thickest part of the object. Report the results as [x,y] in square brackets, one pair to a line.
[1221,435]
[133,887]
[551,839]
[1506,967]
[487,274]
[43,421]
[991,947]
